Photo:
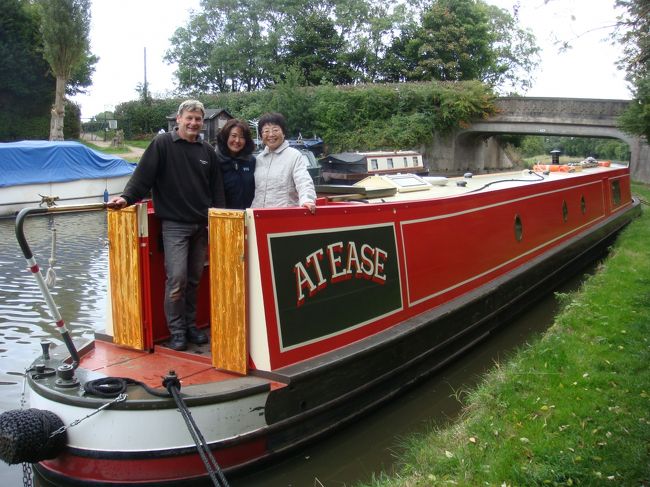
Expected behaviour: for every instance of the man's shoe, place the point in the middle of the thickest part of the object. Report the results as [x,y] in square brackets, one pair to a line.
[196,336]
[178,343]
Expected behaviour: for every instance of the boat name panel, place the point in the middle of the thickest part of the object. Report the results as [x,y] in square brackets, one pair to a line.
[368,263]
[345,278]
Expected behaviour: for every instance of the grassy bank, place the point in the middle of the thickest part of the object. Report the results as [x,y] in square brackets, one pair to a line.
[573,408]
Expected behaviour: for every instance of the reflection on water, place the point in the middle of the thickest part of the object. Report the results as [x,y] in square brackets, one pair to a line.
[80,266]
[353,454]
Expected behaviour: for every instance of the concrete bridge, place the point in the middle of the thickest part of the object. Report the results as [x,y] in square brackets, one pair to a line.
[476,149]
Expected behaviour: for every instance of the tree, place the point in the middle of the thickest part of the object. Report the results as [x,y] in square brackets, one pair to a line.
[225,47]
[25,85]
[633,32]
[314,50]
[65,26]
[244,46]
[368,28]
[453,43]
[464,40]
[516,53]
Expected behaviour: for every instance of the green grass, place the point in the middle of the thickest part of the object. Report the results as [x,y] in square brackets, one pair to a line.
[109,150]
[573,408]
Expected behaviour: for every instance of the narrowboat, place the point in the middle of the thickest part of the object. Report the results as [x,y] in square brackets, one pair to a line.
[63,173]
[314,319]
[350,167]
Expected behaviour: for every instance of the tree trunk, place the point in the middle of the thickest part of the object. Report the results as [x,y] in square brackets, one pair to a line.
[58,110]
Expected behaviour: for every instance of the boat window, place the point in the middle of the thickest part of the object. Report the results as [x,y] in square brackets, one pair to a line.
[616,192]
[373,164]
[415,161]
[406,162]
[565,211]
[389,163]
[519,229]
[583,204]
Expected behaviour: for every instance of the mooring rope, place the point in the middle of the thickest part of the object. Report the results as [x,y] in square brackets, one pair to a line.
[173,385]
[115,386]
[50,276]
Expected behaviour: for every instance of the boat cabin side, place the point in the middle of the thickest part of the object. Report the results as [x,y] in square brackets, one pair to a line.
[387,162]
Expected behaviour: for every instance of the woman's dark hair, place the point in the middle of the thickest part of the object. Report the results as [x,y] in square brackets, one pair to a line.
[274,118]
[224,133]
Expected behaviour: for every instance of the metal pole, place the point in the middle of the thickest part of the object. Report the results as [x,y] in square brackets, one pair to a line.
[36,271]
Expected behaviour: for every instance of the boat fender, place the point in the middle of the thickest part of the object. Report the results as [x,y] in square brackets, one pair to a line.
[468,175]
[26,435]
[462,184]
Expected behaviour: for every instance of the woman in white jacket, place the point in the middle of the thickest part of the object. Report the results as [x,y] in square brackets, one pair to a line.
[281,176]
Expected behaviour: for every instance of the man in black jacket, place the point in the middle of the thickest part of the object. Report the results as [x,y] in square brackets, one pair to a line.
[184,177]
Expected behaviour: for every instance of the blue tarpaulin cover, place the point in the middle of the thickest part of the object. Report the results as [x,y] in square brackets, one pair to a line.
[38,161]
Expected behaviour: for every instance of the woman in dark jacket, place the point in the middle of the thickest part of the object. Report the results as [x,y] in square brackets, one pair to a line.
[234,149]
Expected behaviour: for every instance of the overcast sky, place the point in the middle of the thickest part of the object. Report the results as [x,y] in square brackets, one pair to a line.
[122,29]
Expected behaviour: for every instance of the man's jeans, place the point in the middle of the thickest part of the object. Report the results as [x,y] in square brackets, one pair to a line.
[185,246]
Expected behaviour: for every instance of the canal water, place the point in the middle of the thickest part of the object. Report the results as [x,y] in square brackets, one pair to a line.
[356,453]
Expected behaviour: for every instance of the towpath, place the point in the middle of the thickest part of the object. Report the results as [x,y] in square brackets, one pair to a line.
[131,153]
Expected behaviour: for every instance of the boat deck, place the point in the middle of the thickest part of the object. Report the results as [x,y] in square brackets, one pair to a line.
[192,366]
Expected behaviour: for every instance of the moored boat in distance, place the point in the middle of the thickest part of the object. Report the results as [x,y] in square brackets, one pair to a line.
[313,319]
[350,167]
[38,172]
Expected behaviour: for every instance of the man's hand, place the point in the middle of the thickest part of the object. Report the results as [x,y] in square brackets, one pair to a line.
[116,203]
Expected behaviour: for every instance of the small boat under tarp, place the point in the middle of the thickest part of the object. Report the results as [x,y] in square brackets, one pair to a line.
[38,172]
[314,319]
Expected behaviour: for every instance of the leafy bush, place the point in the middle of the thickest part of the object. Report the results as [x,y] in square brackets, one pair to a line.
[387,116]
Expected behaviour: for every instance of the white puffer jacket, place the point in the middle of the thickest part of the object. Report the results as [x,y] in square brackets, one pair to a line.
[282,179]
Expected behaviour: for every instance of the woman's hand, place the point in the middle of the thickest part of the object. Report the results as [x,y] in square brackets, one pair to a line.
[310,206]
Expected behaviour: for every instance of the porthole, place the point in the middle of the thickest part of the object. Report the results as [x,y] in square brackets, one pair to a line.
[519,229]
[583,205]
[565,211]
[616,192]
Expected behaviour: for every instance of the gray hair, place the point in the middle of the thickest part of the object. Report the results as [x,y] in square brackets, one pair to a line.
[190,106]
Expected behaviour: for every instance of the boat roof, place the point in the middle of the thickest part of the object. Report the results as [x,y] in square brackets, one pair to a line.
[399,187]
[210,113]
[346,157]
[40,161]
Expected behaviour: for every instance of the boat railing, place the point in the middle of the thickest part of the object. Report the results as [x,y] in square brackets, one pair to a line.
[36,272]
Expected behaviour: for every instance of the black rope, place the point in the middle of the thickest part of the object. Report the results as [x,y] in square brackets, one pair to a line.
[173,385]
[109,387]
[508,181]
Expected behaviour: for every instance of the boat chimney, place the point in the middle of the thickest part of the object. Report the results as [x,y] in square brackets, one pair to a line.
[555,156]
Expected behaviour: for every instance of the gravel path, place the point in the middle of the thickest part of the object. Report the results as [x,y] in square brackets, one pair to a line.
[130,152]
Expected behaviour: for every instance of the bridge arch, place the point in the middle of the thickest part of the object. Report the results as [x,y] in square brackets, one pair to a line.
[475,148]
